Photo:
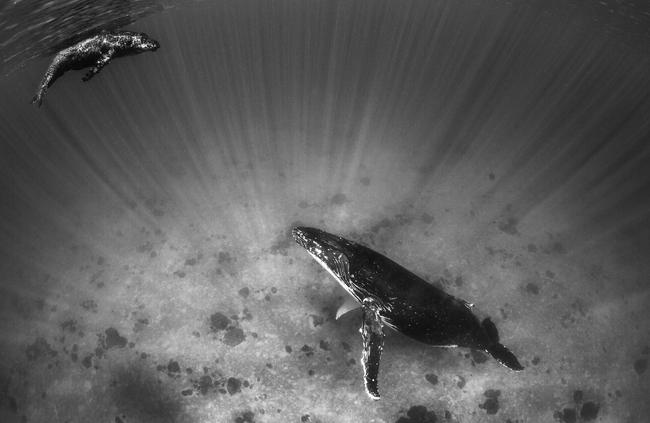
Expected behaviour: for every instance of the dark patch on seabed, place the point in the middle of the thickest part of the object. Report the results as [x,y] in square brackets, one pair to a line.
[172,369]
[219,321]
[233,385]
[233,335]
[245,417]
[203,385]
[460,382]
[307,350]
[39,349]
[532,288]
[418,414]
[579,411]
[339,199]
[141,396]
[7,400]
[509,226]
[491,404]
[431,378]
[113,339]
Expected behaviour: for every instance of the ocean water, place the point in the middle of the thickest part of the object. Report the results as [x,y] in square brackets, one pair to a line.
[498,149]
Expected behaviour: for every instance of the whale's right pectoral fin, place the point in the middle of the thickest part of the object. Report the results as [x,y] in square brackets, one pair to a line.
[373,344]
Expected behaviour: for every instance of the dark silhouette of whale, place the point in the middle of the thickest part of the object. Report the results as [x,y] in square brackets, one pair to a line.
[391,295]
[94,52]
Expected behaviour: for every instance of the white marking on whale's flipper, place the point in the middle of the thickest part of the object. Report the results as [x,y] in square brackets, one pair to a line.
[350,304]
[373,344]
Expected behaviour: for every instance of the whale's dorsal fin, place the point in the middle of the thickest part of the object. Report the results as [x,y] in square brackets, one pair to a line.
[349,304]
[373,343]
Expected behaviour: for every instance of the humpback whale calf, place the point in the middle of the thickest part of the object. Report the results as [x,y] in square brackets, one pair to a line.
[393,296]
[94,52]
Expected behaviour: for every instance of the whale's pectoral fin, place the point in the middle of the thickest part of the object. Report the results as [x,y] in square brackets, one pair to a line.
[350,304]
[341,266]
[373,343]
[103,61]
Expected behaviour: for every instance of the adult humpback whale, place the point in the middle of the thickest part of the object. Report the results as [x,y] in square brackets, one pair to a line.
[391,295]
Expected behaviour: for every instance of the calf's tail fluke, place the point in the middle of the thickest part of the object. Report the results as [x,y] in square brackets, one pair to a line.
[497,350]
[37,99]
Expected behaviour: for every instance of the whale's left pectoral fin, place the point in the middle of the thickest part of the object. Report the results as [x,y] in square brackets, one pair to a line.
[349,305]
[103,61]
[373,344]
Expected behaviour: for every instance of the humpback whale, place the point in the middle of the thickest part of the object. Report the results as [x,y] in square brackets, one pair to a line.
[392,296]
[95,51]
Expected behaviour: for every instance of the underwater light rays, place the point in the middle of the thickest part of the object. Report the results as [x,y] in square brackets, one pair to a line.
[41,188]
[357,107]
[233,103]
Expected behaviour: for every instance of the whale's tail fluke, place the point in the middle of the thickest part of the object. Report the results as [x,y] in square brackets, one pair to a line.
[497,350]
[38,99]
[504,356]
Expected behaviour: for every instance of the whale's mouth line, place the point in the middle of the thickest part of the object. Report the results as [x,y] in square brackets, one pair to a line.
[335,276]
[299,238]
[316,250]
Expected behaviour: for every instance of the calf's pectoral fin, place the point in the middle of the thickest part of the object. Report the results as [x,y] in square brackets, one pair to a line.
[103,61]
[373,344]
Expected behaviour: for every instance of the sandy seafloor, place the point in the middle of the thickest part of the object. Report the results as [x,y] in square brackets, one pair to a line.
[499,150]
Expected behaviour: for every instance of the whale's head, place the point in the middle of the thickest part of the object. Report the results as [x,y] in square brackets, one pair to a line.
[142,42]
[332,252]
